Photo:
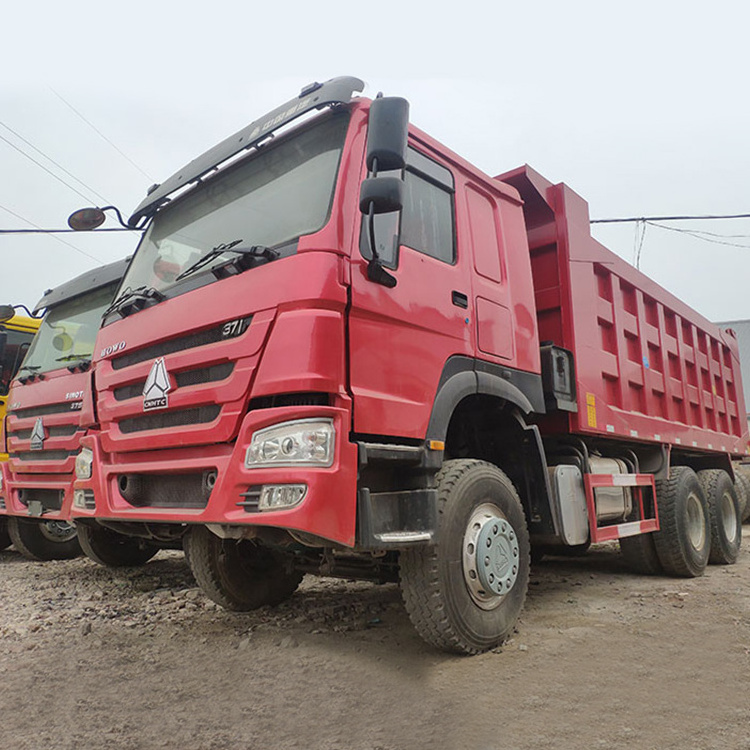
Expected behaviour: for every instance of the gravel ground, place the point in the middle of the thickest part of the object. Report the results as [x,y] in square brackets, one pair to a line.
[137,658]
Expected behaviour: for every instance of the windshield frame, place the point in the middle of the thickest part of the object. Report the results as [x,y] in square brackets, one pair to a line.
[283,249]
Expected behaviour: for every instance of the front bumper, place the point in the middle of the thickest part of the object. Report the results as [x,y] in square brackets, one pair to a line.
[41,490]
[328,510]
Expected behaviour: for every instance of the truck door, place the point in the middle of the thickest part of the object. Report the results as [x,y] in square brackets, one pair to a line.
[401,337]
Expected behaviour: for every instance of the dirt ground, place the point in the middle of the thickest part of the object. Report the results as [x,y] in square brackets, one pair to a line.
[138,658]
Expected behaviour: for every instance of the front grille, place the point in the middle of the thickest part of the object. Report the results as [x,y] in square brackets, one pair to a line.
[2,503]
[163,420]
[40,411]
[188,377]
[48,499]
[175,491]
[65,430]
[43,455]
[191,341]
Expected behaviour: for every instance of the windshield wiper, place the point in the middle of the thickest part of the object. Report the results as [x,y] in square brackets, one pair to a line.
[79,362]
[132,300]
[71,357]
[30,368]
[258,251]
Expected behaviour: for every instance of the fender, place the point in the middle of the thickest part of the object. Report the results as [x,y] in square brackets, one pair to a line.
[465,376]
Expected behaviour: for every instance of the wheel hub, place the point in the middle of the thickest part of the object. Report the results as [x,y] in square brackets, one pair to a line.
[728,517]
[490,556]
[58,531]
[696,522]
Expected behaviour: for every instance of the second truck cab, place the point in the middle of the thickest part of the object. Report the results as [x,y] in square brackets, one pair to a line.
[50,407]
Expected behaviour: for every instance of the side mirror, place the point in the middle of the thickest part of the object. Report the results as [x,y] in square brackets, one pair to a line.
[382,195]
[387,134]
[86,219]
[6,312]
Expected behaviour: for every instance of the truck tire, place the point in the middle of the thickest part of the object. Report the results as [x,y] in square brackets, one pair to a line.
[724,511]
[43,540]
[684,539]
[453,594]
[740,490]
[744,481]
[4,535]
[640,555]
[113,550]
[239,575]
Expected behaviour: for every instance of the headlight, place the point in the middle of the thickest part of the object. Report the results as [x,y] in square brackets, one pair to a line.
[306,442]
[84,462]
[1,482]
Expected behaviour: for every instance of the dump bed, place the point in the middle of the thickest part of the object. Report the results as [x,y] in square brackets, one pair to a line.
[648,367]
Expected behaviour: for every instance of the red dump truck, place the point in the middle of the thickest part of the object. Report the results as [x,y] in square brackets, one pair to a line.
[45,405]
[342,349]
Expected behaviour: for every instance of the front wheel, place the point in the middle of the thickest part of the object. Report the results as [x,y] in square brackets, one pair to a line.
[43,540]
[239,575]
[113,550]
[466,593]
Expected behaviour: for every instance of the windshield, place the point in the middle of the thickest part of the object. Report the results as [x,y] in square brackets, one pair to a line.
[68,332]
[282,192]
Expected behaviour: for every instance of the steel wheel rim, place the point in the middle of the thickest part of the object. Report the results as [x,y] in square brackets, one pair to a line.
[484,516]
[728,517]
[696,522]
[58,531]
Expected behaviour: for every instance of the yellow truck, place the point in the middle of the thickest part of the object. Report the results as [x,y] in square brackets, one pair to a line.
[16,333]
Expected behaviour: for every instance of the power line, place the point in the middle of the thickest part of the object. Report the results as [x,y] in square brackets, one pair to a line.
[49,158]
[669,218]
[702,235]
[101,135]
[48,171]
[54,237]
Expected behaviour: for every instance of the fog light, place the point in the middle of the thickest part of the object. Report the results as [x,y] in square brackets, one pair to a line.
[84,462]
[280,496]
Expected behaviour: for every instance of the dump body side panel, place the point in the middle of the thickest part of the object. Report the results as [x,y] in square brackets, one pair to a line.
[648,367]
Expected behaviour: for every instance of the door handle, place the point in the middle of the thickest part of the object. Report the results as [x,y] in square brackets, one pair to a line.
[460,299]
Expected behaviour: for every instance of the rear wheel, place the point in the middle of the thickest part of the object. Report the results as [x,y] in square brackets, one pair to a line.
[43,540]
[640,555]
[684,539]
[107,547]
[744,480]
[465,593]
[740,490]
[724,511]
[239,575]
[4,535]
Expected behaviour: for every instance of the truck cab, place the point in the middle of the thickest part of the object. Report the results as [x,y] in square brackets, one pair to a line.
[16,334]
[46,415]
[325,357]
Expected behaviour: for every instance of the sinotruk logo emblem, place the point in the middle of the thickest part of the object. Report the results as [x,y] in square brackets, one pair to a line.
[157,387]
[37,435]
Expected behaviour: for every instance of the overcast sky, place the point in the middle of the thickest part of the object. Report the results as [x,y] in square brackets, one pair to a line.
[641,107]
